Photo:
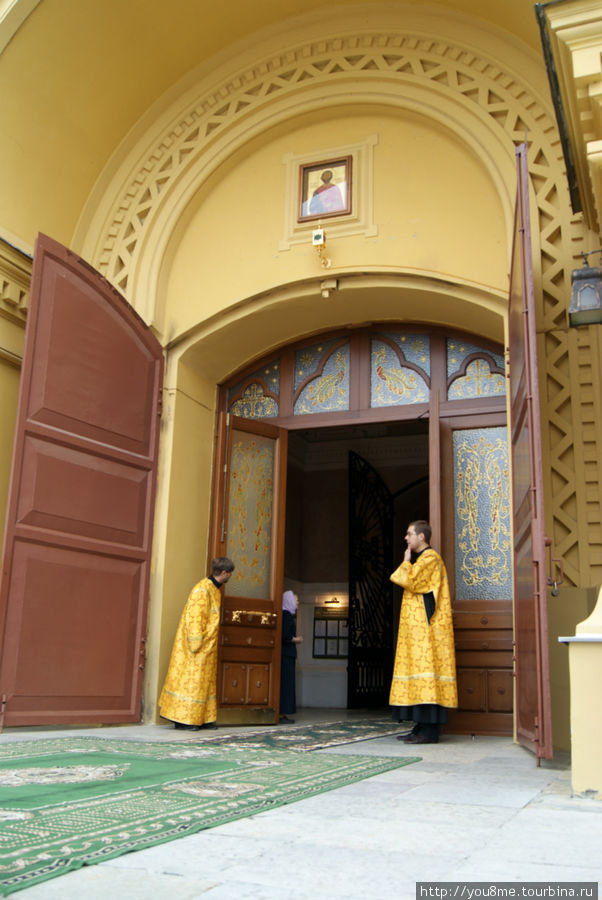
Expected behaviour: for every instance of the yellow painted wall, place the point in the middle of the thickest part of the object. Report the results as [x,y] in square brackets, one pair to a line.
[182,513]
[565,611]
[431,198]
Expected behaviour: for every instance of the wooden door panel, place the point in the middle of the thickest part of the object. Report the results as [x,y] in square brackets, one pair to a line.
[533,712]
[102,498]
[71,349]
[472,690]
[233,681]
[245,685]
[258,685]
[86,626]
[484,659]
[493,640]
[484,620]
[500,689]
[247,637]
[76,560]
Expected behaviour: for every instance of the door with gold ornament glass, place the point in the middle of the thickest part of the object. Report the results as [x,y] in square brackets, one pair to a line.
[248,528]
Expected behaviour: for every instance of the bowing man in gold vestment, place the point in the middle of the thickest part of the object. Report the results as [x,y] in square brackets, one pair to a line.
[189,695]
[424,676]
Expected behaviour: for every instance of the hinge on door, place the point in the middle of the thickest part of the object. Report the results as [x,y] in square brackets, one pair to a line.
[160,403]
[2,711]
[553,579]
[142,654]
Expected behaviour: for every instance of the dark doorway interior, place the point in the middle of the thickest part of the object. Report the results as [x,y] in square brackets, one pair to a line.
[318,559]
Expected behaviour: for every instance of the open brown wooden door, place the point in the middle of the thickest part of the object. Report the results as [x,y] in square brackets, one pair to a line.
[249,528]
[533,708]
[76,560]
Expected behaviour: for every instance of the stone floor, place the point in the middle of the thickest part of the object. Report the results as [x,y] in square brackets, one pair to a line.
[472,810]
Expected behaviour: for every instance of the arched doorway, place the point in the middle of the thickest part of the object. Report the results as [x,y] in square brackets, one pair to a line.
[378,386]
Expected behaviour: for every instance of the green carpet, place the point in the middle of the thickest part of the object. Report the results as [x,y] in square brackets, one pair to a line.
[69,802]
[302,737]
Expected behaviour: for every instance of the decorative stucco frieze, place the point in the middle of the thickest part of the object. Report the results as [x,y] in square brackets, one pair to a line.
[15,278]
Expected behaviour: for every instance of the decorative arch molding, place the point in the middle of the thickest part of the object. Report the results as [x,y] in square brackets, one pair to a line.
[178,153]
[125,227]
[12,16]
[430,102]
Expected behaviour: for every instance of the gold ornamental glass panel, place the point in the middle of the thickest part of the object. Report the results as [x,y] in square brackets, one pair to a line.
[250,513]
[483,538]
[399,369]
[257,396]
[326,378]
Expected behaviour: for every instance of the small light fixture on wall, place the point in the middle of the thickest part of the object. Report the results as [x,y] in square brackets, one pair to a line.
[318,239]
[336,601]
[585,307]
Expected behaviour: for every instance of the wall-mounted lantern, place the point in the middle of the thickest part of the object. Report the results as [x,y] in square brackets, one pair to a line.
[585,307]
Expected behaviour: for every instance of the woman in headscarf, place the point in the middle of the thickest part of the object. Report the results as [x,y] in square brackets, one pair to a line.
[288,705]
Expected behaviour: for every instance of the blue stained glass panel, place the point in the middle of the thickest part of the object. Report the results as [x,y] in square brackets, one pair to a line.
[483,538]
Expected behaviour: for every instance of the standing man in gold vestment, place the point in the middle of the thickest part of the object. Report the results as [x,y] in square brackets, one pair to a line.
[189,695]
[424,675]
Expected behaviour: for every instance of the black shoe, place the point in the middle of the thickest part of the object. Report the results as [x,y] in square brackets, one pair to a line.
[185,727]
[208,725]
[405,734]
[419,739]
[284,720]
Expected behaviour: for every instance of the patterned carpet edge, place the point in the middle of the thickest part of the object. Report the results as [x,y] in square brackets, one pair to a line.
[338,771]
[284,737]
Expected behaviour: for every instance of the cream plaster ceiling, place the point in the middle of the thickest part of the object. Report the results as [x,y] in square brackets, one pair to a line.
[76,76]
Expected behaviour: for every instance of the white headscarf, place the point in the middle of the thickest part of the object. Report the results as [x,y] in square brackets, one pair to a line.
[289,602]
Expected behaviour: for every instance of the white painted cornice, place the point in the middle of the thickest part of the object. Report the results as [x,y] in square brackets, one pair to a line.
[575,33]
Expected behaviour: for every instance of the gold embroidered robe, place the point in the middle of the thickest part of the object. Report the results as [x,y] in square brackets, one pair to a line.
[425,661]
[189,692]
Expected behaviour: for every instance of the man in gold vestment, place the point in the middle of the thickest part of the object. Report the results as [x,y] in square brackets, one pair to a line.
[189,695]
[424,676]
